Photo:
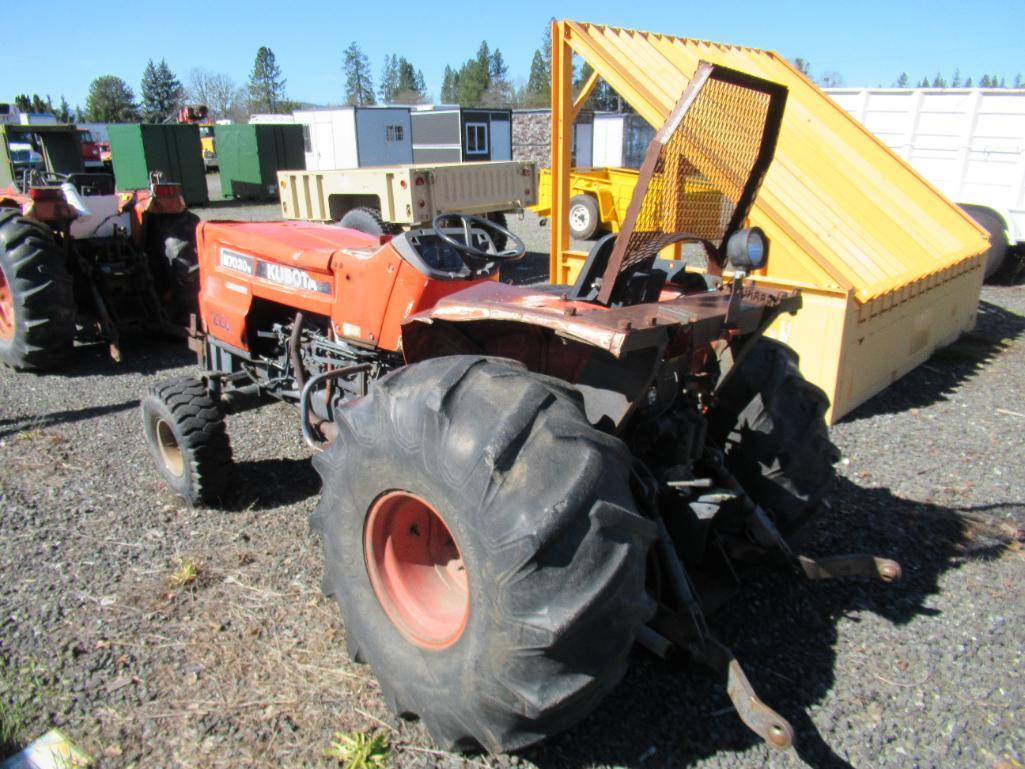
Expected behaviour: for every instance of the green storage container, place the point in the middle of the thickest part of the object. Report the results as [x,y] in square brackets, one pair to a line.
[137,150]
[250,156]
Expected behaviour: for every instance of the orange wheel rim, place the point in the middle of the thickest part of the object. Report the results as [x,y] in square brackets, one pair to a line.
[416,570]
[6,308]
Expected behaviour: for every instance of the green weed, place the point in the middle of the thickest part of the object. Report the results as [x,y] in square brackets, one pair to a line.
[360,750]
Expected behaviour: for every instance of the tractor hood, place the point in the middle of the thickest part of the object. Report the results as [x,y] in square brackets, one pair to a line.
[305,245]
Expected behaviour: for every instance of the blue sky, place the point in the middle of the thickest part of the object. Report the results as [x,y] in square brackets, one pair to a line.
[868,43]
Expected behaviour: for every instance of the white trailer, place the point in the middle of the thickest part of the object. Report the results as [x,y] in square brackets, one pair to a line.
[968,142]
[356,137]
[620,140]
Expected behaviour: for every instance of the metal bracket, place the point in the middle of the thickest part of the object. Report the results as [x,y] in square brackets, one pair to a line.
[831,567]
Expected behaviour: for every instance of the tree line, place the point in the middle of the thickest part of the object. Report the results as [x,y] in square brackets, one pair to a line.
[480,81]
[938,81]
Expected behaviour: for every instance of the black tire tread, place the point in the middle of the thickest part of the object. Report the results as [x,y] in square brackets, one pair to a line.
[372,221]
[771,422]
[199,422]
[572,644]
[41,289]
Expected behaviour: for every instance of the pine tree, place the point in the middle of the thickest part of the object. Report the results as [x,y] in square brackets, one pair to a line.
[497,70]
[924,83]
[23,102]
[410,88]
[938,81]
[266,86]
[389,79]
[359,85]
[984,81]
[111,100]
[902,81]
[450,86]
[64,113]
[474,77]
[161,92]
[955,82]
[968,83]
[1019,82]
[1003,83]
[539,84]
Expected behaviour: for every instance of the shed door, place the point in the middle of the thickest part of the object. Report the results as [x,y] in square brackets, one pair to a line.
[323,146]
[501,138]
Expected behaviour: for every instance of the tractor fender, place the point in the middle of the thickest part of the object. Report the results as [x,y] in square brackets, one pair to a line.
[611,385]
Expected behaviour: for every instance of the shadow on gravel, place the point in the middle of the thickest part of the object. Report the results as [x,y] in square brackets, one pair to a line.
[268,483]
[138,357]
[39,422]
[948,367]
[532,268]
[784,631]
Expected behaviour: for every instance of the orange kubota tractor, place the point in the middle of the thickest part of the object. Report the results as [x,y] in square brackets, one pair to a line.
[520,483]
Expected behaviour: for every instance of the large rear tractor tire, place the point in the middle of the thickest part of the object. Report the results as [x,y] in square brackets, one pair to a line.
[37,304]
[771,422]
[482,542]
[185,433]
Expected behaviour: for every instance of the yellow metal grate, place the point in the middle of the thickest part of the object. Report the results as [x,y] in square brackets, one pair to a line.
[701,170]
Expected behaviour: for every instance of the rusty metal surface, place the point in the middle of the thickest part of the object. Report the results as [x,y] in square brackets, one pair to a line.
[701,171]
[617,330]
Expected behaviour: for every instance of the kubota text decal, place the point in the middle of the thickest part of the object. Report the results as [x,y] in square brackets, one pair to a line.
[283,275]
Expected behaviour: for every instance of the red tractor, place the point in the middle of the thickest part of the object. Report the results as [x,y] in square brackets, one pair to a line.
[78,259]
[520,483]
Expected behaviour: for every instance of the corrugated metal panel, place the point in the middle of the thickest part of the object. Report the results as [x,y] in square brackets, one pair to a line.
[840,209]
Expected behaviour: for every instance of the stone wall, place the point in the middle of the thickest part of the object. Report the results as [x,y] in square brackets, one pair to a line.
[532,135]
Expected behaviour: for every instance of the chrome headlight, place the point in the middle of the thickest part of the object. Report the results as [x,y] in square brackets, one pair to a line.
[747,249]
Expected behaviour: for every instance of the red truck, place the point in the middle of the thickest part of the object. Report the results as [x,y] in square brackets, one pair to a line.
[90,149]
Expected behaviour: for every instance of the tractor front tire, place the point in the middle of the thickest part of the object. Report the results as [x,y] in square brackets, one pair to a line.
[482,542]
[771,424]
[37,304]
[186,436]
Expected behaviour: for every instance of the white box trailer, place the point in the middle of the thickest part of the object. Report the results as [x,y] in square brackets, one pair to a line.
[968,142]
[620,140]
[356,137]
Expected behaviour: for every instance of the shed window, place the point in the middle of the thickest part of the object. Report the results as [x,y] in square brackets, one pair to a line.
[476,138]
[307,144]
[393,133]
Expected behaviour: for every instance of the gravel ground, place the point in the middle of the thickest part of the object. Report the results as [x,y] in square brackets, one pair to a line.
[157,635]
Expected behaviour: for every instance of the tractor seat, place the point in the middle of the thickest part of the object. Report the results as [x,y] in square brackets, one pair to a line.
[92,184]
[586,287]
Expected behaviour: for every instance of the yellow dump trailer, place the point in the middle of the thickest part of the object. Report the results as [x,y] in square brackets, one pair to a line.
[889,269]
[610,188]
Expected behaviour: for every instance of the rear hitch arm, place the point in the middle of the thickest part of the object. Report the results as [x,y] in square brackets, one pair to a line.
[690,631]
[764,531]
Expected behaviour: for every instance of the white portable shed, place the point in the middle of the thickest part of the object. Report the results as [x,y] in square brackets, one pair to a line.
[356,137]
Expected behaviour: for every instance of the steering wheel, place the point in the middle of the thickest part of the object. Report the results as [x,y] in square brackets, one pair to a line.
[468,249]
